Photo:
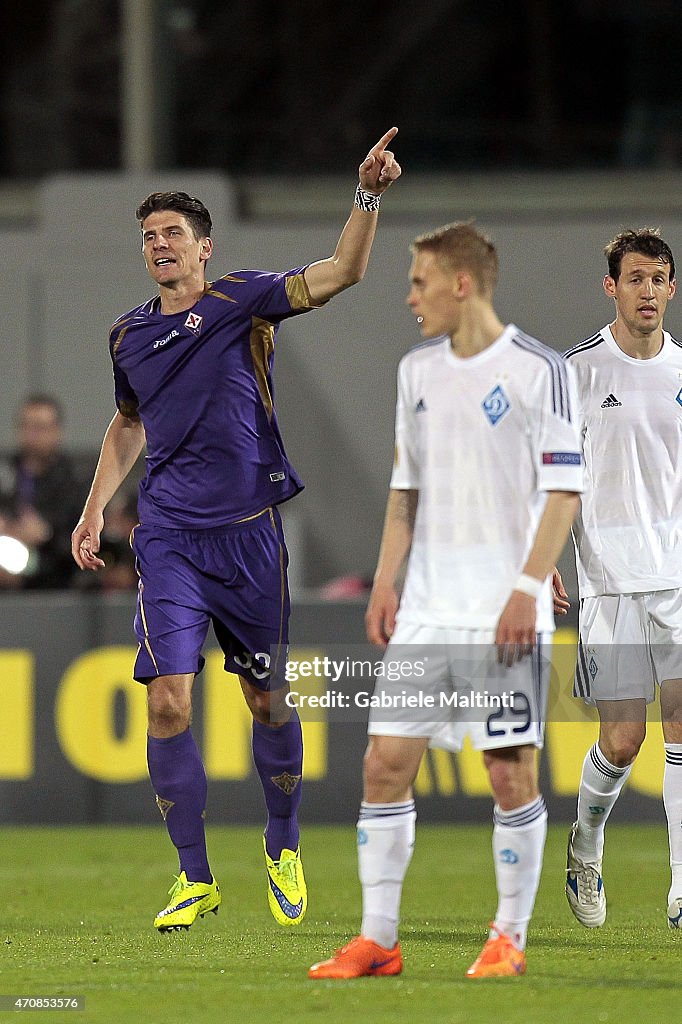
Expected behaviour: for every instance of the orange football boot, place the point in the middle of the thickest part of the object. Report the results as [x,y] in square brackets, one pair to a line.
[358,959]
[499,958]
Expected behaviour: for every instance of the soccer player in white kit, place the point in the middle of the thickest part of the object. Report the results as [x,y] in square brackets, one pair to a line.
[628,541]
[483,492]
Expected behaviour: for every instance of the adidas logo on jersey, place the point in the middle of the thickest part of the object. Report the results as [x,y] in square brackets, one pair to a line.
[420,406]
[610,402]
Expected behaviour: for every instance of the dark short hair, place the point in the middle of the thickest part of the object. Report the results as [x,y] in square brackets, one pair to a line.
[191,208]
[643,241]
[462,247]
[43,398]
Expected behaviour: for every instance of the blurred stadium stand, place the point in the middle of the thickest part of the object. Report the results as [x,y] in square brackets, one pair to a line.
[295,87]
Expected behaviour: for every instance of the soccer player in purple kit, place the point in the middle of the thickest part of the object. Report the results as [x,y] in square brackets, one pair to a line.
[192,373]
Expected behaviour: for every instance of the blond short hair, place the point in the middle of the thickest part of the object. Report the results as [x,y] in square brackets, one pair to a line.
[460,246]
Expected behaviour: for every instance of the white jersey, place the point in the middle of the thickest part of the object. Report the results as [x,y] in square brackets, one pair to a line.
[482,439]
[628,535]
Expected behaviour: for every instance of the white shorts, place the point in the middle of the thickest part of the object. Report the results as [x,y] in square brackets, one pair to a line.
[628,643]
[451,685]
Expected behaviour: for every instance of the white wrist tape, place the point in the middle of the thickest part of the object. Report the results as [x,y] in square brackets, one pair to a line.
[367,201]
[529,585]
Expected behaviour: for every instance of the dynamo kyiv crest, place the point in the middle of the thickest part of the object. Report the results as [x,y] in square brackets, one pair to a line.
[496,404]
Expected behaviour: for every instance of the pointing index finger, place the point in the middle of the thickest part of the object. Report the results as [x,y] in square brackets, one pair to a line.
[384,141]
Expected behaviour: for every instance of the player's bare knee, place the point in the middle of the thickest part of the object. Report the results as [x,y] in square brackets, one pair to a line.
[267,707]
[672,729]
[620,747]
[513,776]
[264,714]
[373,768]
[386,779]
[671,710]
[169,705]
[279,712]
[168,715]
[259,704]
[622,752]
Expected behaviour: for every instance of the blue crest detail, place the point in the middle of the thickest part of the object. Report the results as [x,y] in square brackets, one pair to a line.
[596,809]
[593,667]
[362,836]
[496,404]
[509,857]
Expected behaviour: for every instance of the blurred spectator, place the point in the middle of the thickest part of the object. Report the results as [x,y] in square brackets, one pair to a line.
[41,498]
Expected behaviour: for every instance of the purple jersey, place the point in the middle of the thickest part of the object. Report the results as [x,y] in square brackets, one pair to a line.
[200,381]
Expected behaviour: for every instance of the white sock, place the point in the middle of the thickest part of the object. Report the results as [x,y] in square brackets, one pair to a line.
[600,786]
[672,801]
[385,842]
[518,845]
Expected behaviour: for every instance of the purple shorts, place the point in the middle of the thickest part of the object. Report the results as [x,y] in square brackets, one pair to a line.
[234,577]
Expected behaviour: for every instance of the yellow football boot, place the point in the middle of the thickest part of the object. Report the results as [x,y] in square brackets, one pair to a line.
[188,901]
[287,893]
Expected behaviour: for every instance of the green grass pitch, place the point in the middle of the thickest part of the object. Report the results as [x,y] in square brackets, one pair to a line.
[78,904]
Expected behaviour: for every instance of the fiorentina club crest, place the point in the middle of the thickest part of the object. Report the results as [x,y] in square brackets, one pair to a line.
[286,782]
[193,321]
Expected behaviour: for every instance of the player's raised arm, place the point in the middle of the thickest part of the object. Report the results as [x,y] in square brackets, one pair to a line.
[347,266]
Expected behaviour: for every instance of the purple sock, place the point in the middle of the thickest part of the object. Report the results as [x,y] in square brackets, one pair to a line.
[278,755]
[179,780]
